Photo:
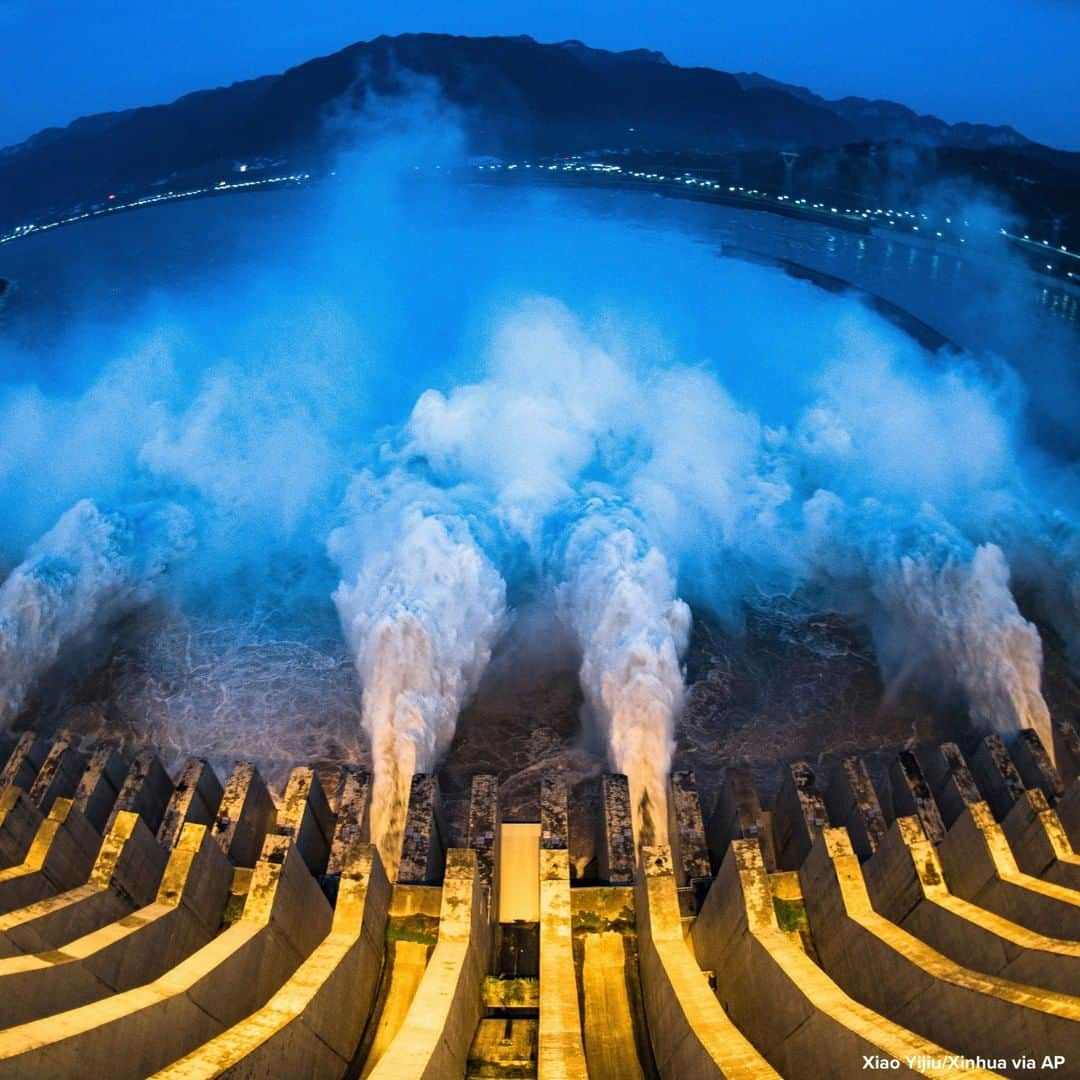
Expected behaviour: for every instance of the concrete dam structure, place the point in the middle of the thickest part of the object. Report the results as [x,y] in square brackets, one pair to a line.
[195,925]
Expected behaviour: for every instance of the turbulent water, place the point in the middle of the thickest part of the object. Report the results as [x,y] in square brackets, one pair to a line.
[430,477]
[90,569]
[619,597]
[420,615]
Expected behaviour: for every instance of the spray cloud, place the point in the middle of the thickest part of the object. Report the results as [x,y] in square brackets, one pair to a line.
[421,612]
[90,569]
[437,379]
[965,618]
[940,608]
[619,597]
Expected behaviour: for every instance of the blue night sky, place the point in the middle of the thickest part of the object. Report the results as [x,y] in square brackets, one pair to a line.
[996,61]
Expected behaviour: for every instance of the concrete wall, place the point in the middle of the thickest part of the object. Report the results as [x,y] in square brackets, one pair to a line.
[906,884]
[135,1033]
[124,876]
[980,867]
[896,974]
[792,1011]
[691,1034]
[185,915]
[434,1039]
[561,1050]
[313,1024]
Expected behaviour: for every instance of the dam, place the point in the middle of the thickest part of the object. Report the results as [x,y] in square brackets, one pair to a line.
[315,493]
[196,925]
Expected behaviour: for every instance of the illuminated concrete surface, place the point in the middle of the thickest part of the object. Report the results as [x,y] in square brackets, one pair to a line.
[175,926]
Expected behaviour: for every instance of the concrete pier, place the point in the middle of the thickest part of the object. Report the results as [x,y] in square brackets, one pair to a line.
[781,999]
[20,820]
[554,814]
[950,779]
[185,914]
[561,1049]
[99,786]
[60,857]
[305,815]
[424,844]
[351,826]
[911,795]
[906,884]
[996,775]
[1066,752]
[686,830]
[738,816]
[59,774]
[1039,842]
[135,1033]
[412,930]
[616,852]
[195,798]
[312,1024]
[800,815]
[691,1033]
[125,875]
[1033,764]
[244,817]
[896,974]
[434,1039]
[1068,811]
[24,760]
[146,791]
[979,866]
[852,802]
[234,939]
[483,838]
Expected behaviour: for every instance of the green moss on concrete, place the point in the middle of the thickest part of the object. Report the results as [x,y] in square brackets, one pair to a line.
[596,922]
[511,993]
[417,927]
[790,914]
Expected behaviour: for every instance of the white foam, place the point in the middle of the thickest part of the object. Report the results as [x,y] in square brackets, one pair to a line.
[619,596]
[421,615]
[86,572]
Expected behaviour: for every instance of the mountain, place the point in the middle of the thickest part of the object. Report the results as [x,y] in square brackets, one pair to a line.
[514,97]
[886,121]
[602,56]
